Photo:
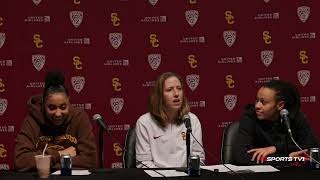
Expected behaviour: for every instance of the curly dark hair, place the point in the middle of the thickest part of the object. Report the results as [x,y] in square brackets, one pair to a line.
[54,83]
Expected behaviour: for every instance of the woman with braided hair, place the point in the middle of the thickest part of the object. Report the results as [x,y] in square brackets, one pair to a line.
[261,131]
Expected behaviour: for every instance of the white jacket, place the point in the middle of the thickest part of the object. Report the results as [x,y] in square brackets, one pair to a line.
[158,147]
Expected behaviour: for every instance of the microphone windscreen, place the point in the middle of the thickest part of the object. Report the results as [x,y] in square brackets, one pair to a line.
[96,117]
[284,112]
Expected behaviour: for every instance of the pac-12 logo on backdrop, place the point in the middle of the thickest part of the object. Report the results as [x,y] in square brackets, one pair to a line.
[76,18]
[3,106]
[154,61]
[303,13]
[229,37]
[192,17]
[266,57]
[117,104]
[303,77]
[115,39]
[2,39]
[78,83]
[153,2]
[36,2]
[38,61]
[193,81]
[230,101]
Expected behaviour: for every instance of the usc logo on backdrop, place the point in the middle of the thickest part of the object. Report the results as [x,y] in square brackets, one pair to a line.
[117,149]
[3,151]
[229,17]
[115,19]
[303,57]
[1,21]
[76,2]
[37,40]
[2,86]
[266,37]
[230,82]
[77,62]
[154,40]
[192,1]
[116,84]
[192,61]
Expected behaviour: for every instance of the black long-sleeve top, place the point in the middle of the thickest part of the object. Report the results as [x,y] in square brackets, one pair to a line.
[254,133]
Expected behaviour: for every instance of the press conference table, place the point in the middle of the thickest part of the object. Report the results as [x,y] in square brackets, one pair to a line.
[130,174]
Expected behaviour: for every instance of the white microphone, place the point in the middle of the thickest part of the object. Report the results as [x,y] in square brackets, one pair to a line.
[285,117]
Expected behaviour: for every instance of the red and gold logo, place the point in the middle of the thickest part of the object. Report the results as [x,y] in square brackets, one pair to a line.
[115,19]
[154,40]
[183,135]
[37,41]
[192,61]
[77,62]
[2,86]
[117,149]
[229,17]
[229,81]
[303,57]
[266,37]
[3,151]
[116,84]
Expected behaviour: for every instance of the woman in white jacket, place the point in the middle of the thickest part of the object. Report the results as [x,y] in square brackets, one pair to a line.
[161,133]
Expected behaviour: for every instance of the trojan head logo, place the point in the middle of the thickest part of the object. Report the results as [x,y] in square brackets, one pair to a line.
[37,41]
[183,135]
[229,37]
[266,37]
[154,61]
[193,81]
[3,151]
[76,18]
[153,2]
[117,104]
[229,17]
[77,2]
[115,19]
[78,83]
[192,1]
[229,81]
[192,17]
[3,106]
[303,13]
[192,61]
[230,101]
[38,61]
[2,86]
[36,2]
[303,77]
[2,39]
[266,57]
[117,149]
[115,39]
[116,84]
[303,57]
[154,40]
[77,62]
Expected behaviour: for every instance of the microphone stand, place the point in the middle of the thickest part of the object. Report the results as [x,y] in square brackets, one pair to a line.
[188,145]
[101,147]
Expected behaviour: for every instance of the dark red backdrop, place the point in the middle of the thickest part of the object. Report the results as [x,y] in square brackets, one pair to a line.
[112,51]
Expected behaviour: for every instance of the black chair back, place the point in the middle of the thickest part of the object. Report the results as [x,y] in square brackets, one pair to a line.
[230,134]
[129,154]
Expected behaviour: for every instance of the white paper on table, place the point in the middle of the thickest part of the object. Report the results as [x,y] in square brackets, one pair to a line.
[166,173]
[254,168]
[74,172]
